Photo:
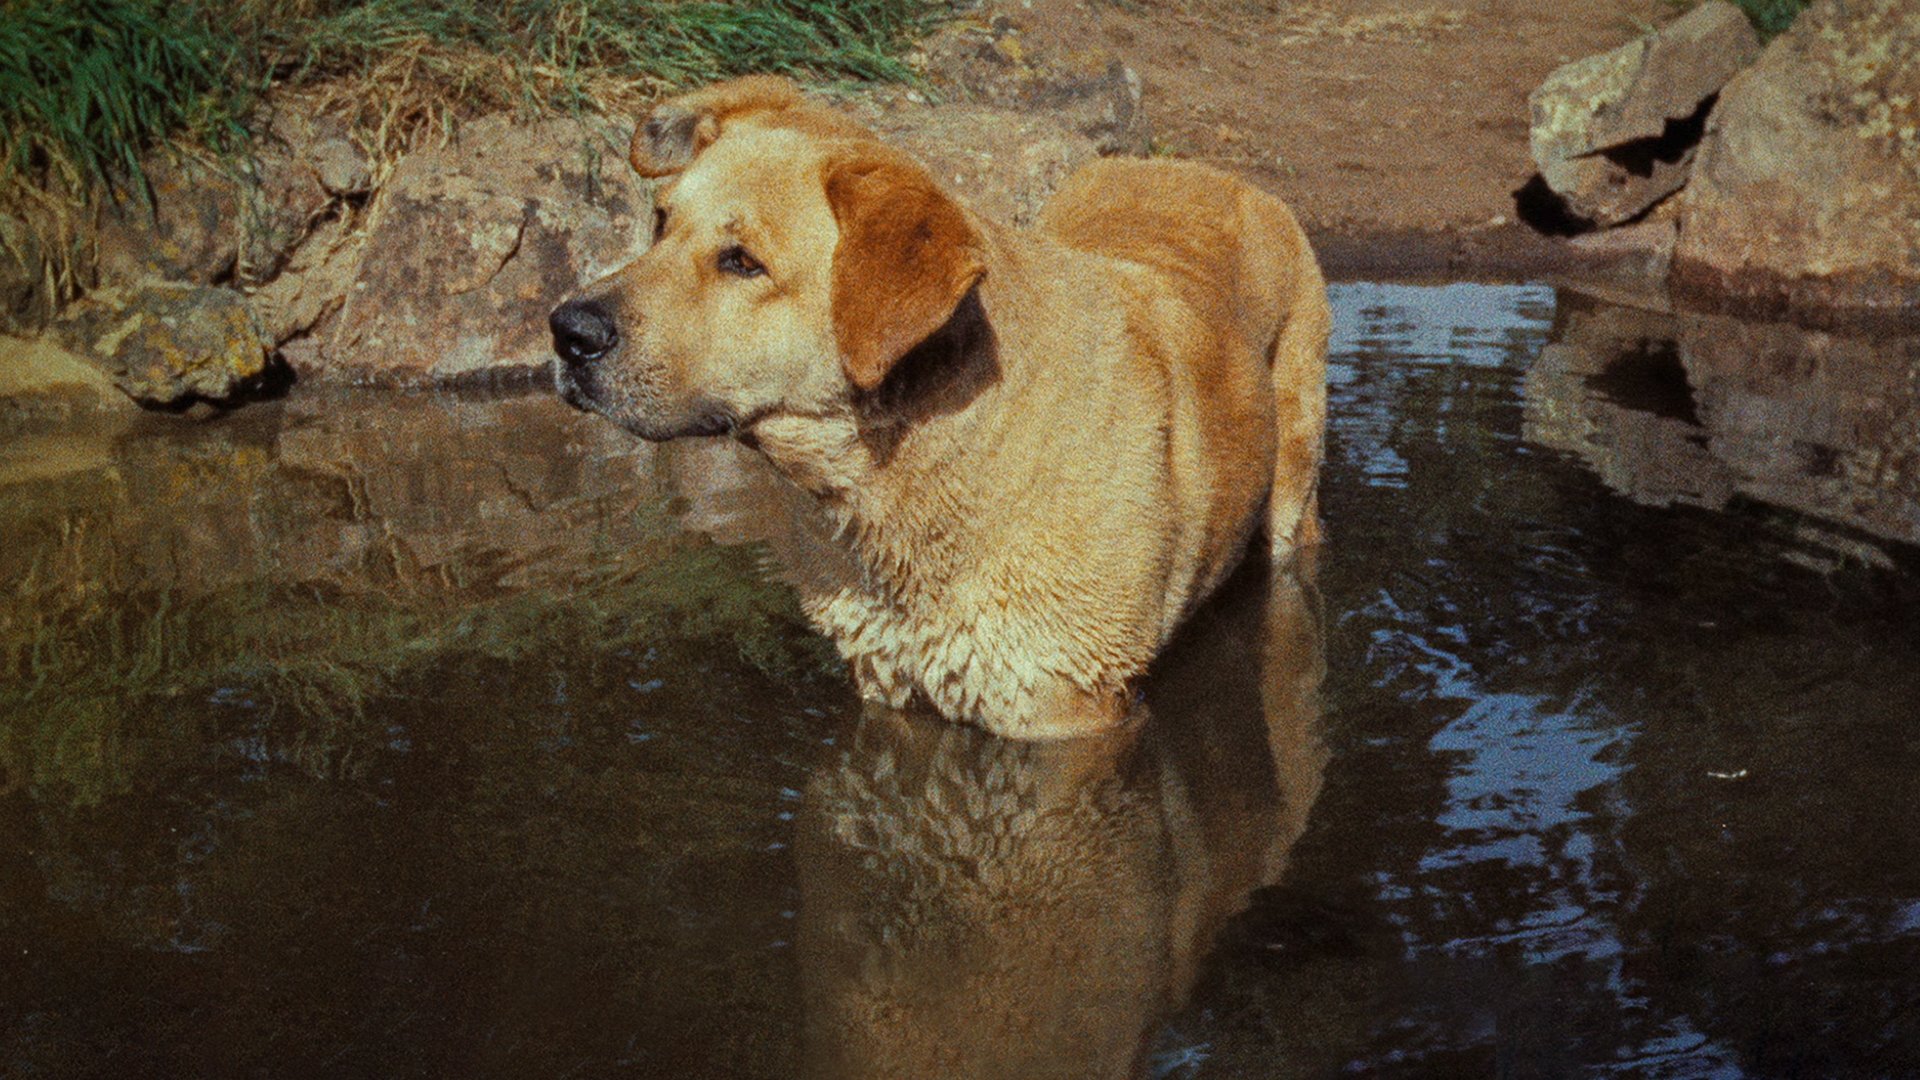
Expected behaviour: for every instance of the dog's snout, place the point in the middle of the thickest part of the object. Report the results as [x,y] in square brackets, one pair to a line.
[583,331]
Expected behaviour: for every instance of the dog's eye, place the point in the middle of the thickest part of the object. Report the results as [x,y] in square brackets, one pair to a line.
[659,222]
[737,262]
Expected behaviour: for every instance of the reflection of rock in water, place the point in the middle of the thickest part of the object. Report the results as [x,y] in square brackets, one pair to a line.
[1704,409]
[973,907]
[419,494]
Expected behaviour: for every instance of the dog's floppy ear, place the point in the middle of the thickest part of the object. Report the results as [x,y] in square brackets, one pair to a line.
[675,132]
[906,257]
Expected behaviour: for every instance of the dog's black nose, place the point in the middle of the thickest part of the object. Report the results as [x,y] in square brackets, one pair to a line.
[582,331]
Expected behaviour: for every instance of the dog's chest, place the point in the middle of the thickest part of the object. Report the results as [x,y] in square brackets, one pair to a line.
[969,656]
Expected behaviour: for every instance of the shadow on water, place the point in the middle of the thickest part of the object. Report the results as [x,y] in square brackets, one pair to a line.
[469,737]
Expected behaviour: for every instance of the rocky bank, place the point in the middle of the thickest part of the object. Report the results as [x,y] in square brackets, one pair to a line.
[1796,167]
[1778,182]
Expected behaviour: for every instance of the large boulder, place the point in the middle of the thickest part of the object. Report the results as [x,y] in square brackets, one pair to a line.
[469,246]
[1806,195]
[170,343]
[1615,133]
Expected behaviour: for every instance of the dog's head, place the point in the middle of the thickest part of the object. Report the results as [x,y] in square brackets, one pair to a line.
[795,260]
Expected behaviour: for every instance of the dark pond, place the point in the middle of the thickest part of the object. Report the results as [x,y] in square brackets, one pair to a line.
[468,738]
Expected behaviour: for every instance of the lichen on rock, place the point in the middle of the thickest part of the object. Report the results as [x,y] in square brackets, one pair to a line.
[1806,195]
[170,343]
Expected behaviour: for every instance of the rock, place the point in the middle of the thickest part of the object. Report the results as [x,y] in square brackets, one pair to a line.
[232,219]
[185,228]
[311,286]
[207,223]
[471,244]
[168,343]
[1001,162]
[1806,195]
[1087,89]
[1614,133]
[42,384]
[1636,255]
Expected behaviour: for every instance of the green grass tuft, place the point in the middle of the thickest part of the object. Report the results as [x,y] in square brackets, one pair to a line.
[88,86]
[1770,17]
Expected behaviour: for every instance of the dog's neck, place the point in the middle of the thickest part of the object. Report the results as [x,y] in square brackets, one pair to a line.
[901,471]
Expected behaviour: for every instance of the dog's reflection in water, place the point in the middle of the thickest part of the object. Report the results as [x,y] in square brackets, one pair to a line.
[979,908]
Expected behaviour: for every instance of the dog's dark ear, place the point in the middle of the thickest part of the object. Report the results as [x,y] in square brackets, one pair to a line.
[675,132]
[906,257]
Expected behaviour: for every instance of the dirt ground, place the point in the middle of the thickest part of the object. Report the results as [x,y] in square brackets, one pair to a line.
[1393,127]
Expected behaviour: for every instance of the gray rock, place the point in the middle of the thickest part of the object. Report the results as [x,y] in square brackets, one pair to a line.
[1806,195]
[169,343]
[1614,133]
[471,244]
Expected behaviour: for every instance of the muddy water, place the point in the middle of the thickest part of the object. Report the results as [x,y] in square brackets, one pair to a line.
[467,738]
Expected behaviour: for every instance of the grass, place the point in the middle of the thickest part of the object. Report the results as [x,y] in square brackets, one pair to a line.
[88,86]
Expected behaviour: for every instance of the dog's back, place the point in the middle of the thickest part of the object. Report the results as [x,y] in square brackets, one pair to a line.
[1211,234]
[1238,261]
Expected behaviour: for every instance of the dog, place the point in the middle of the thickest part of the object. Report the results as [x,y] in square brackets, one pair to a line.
[980,908]
[1040,448]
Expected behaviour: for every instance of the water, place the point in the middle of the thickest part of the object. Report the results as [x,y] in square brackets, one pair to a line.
[433,737]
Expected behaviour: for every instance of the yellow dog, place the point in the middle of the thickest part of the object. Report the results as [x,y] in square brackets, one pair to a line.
[1042,447]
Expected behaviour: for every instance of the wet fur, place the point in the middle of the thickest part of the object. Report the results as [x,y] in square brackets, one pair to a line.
[1041,448]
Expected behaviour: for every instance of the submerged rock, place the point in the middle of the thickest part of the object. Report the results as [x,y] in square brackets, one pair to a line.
[1806,196]
[1615,133]
[168,343]
[469,245]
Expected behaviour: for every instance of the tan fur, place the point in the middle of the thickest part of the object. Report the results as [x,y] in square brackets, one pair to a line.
[1041,448]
